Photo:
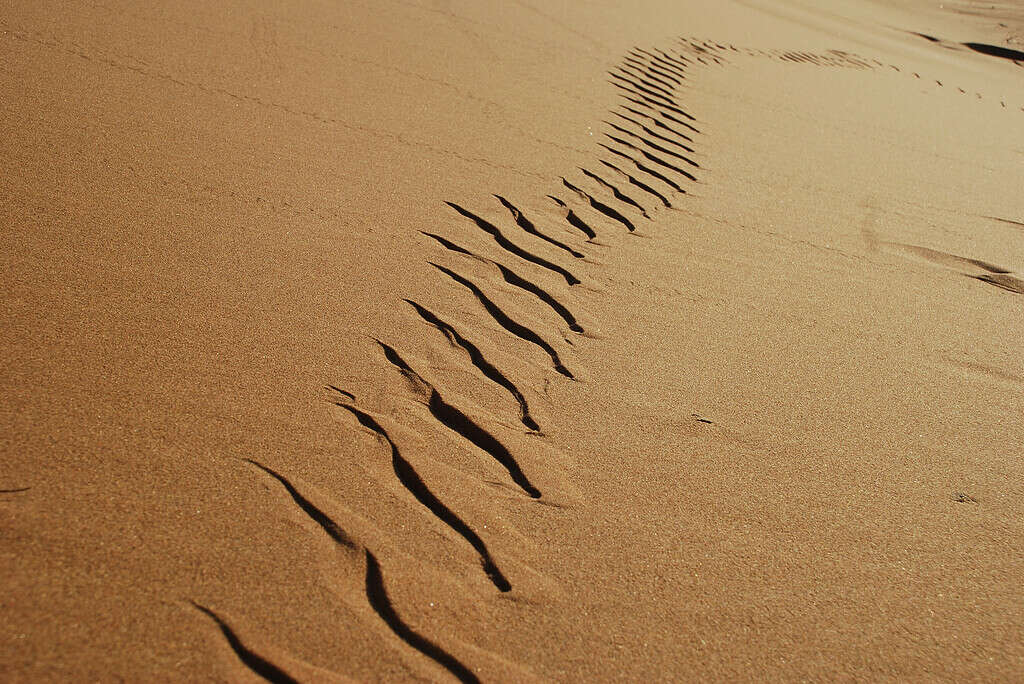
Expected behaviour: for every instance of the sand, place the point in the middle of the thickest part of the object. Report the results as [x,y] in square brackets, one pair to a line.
[512,341]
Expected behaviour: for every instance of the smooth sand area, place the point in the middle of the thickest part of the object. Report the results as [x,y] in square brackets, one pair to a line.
[512,341]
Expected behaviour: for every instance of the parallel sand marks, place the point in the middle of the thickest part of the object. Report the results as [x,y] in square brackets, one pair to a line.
[601,207]
[411,480]
[646,169]
[453,419]
[508,245]
[652,133]
[654,158]
[376,593]
[650,79]
[516,280]
[528,226]
[377,597]
[654,146]
[506,322]
[478,360]
[616,192]
[640,184]
[651,146]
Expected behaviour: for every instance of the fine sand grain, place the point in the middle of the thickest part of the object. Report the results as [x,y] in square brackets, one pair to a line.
[512,341]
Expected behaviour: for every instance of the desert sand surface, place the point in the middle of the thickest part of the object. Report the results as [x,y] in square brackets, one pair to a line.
[434,340]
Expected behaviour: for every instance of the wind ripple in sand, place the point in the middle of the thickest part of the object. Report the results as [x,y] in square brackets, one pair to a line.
[515,280]
[319,517]
[478,360]
[411,480]
[657,160]
[375,591]
[502,319]
[381,604]
[600,206]
[528,226]
[252,660]
[505,243]
[456,421]
[646,169]
[650,80]
[643,186]
[616,192]
[654,146]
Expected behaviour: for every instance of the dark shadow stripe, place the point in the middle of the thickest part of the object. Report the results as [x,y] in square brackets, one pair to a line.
[502,319]
[512,278]
[477,358]
[319,517]
[252,660]
[448,244]
[640,184]
[492,230]
[618,194]
[996,51]
[377,595]
[601,206]
[527,225]
[341,391]
[411,480]
[574,220]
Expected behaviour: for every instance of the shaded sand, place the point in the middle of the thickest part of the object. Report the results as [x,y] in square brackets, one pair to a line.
[512,341]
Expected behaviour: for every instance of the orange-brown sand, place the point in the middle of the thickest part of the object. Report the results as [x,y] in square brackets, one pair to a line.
[512,341]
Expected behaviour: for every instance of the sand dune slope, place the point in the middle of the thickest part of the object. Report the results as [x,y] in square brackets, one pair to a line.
[510,342]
